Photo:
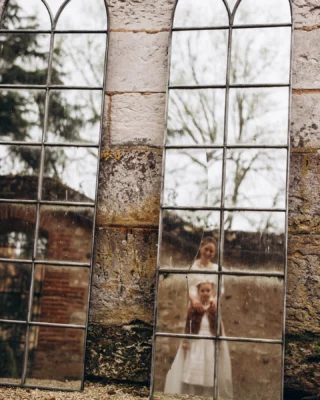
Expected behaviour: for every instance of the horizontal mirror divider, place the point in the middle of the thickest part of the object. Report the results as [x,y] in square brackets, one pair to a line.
[48,202]
[262,274]
[35,31]
[49,87]
[231,86]
[48,324]
[53,388]
[51,144]
[205,208]
[13,321]
[229,146]
[225,27]
[218,338]
[47,262]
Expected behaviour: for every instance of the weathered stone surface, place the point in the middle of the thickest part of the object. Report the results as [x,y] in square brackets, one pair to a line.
[304,193]
[137,62]
[140,14]
[303,284]
[306,13]
[306,60]
[137,119]
[129,187]
[305,120]
[121,353]
[124,276]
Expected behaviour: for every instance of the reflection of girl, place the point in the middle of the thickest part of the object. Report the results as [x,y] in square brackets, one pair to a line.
[182,377]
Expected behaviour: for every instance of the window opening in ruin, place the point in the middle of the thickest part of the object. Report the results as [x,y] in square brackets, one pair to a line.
[52,63]
[221,274]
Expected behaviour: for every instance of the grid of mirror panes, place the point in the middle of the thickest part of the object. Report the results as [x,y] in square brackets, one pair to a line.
[221,274]
[53,57]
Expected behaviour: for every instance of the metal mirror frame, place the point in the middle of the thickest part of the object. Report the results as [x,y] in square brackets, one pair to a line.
[162,271]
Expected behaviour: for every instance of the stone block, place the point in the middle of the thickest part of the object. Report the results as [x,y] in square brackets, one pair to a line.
[140,14]
[304,193]
[124,276]
[129,187]
[306,59]
[137,62]
[305,120]
[306,13]
[137,119]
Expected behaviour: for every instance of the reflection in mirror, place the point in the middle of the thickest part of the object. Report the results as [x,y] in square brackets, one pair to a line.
[193,177]
[182,233]
[195,117]
[74,116]
[17,223]
[24,58]
[256,178]
[19,168]
[245,311]
[199,58]
[184,367]
[261,55]
[22,14]
[70,174]
[12,343]
[54,5]
[58,364]
[263,12]
[84,15]
[14,290]
[60,294]
[254,241]
[256,370]
[189,13]
[69,232]
[78,59]
[258,116]
[22,114]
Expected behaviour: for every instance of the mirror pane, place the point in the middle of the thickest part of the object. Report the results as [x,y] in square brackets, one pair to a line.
[74,116]
[189,13]
[70,174]
[12,343]
[195,117]
[199,58]
[258,116]
[24,58]
[193,177]
[182,233]
[19,169]
[256,178]
[17,223]
[184,367]
[254,241]
[22,114]
[78,59]
[14,290]
[261,56]
[69,232]
[263,12]
[60,294]
[55,357]
[22,14]
[81,14]
[256,370]
[252,307]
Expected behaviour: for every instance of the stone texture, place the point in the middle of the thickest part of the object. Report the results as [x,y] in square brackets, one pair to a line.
[304,193]
[306,13]
[140,14]
[137,62]
[124,275]
[306,60]
[137,119]
[129,187]
[305,120]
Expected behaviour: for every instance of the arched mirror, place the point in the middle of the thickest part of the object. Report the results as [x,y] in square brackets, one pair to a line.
[221,274]
[52,77]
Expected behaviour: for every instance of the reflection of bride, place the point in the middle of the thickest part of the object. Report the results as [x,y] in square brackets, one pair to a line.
[192,371]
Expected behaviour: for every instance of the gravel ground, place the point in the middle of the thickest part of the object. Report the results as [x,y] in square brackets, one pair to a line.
[92,391]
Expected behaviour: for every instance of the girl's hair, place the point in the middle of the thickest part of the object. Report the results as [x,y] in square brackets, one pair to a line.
[204,282]
[206,240]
